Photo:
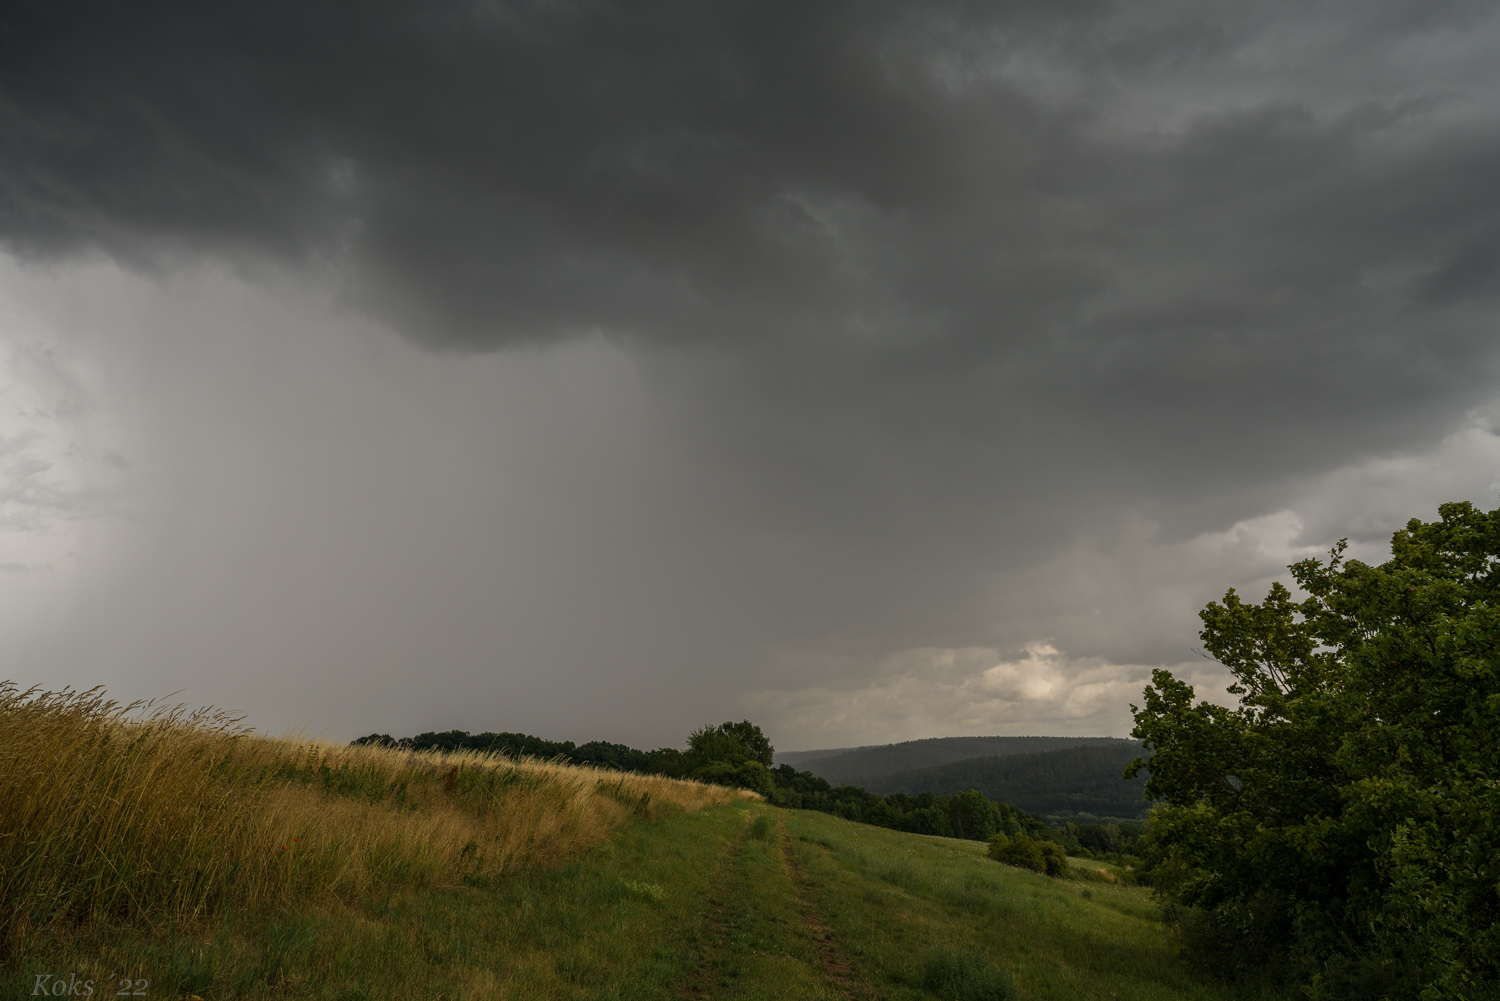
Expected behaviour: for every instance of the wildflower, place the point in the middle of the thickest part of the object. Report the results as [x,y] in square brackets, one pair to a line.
[283,847]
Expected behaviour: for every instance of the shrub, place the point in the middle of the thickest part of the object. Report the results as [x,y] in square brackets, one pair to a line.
[744,775]
[1019,851]
[1054,858]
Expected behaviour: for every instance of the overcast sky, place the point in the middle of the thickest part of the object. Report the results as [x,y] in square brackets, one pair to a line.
[597,370]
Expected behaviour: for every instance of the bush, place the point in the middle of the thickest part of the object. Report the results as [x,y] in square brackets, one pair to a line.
[745,775]
[1019,851]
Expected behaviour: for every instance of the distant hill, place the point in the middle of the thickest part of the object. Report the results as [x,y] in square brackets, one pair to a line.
[1073,780]
[853,765]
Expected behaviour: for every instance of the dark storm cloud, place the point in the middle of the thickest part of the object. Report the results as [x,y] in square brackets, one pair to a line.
[942,270]
[499,172]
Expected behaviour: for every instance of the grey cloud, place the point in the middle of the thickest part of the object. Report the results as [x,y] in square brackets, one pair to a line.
[920,294]
[501,172]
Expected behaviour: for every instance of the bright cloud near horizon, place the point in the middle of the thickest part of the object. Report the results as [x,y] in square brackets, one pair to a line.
[875,371]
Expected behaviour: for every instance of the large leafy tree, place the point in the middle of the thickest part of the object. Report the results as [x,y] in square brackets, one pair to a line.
[731,742]
[733,754]
[1346,814]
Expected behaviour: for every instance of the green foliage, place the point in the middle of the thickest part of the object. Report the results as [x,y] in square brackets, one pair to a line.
[752,739]
[933,820]
[745,775]
[731,742]
[595,753]
[1054,859]
[731,754]
[1065,781]
[972,816]
[1112,840]
[965,977]
[1027,853]
[997,841]
[1345,817]
[968,815]
[668,761]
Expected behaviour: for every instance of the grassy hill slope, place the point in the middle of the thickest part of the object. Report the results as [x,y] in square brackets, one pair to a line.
[148,817]
[154,854]
[854,765]
[1075,780]
[739,901]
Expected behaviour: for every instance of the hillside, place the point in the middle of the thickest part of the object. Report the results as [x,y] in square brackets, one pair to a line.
[738,902]
[180,855]
[853,765]
[142,815]
[1074,780]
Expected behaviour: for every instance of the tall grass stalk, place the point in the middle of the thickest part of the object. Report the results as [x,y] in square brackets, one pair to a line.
[157,814]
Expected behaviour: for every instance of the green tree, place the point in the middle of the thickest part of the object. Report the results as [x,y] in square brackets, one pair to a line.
[1018,850]
[733,754]
[745,775]
[1054,857]
[667,761]
[1345,816]
[973,816]
[731,742]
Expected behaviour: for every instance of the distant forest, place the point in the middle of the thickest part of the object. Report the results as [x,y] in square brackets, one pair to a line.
[1073,782]
[738,754]
[852,764]
[1070,781]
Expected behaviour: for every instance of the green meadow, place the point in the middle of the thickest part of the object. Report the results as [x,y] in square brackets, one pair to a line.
[737,900]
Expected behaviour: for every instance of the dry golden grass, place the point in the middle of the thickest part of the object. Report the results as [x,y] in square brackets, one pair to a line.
[155,814]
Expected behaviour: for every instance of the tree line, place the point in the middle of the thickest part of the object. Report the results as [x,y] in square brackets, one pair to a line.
[739,754]
[1071,780]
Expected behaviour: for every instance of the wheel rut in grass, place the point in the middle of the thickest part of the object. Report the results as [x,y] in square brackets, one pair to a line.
[703,981]
[836,966]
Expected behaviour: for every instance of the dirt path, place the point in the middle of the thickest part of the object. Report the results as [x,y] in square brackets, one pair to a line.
[835,964]
[702,981]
